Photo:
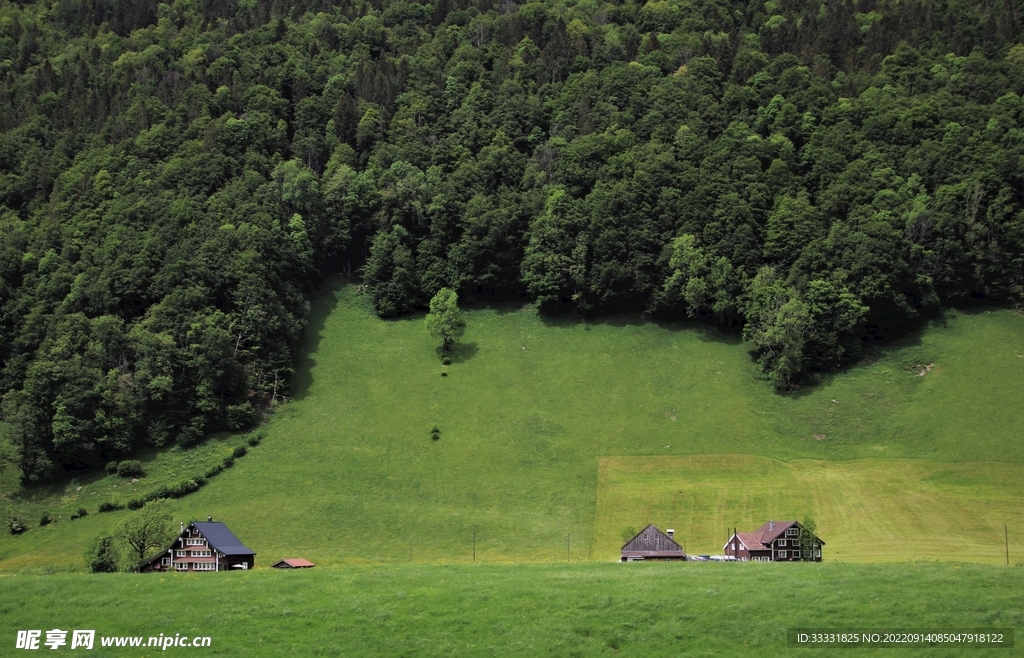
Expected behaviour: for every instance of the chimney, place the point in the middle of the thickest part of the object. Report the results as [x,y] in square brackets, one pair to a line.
[210,518]
[771,524]
[182,526]
[670,532]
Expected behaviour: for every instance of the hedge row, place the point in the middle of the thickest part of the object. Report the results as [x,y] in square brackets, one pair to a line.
[185,487]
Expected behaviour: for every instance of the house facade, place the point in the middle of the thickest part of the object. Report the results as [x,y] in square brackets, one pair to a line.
[652,544]
[775,541]
[208,546]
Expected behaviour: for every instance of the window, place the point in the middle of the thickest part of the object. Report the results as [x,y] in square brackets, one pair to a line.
[782,553]
[165,561]
[181,553]
[193,542]
[200,553]
[792,532]
[782,542]
[817,553]
[181,566]
[203,566]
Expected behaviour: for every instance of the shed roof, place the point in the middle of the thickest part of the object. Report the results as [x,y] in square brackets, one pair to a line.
[294,562]
[221,538]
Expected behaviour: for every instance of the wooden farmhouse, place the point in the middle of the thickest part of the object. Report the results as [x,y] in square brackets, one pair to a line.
[208,546]
[652,544]
[775,541]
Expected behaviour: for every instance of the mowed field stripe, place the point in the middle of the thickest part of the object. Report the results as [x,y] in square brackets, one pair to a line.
[866,510]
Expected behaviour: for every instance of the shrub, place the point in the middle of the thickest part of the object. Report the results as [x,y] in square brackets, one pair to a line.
[103,555]
[183,488]
[229,461]
[446,360]
[136,503]
[214,471]
[111,467]
[239,415]
[254,440]
[444,374]
[435,433]
[131,468]
[17,525]
[157,494]
[80,513]
[193,432]
[45,519]
[109,507]
[240,451]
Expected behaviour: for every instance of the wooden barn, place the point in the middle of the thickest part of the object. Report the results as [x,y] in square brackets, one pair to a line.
[775,541]
[208,546]
[652,544]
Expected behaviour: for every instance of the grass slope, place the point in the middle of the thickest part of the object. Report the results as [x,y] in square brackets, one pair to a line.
[348,472]
[692,609]
[869,510]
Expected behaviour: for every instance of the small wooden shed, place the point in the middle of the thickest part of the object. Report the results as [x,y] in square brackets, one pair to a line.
[293,563]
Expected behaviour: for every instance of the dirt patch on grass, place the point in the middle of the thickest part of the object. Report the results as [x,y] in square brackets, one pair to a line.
[820,437]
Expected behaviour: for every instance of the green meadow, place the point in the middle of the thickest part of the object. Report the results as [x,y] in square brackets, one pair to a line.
[666,609]
[870,510]
[922,435]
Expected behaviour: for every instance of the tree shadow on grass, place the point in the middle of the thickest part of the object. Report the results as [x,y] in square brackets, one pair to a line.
[322,305]
[873,350]
[460,352]
[707,331]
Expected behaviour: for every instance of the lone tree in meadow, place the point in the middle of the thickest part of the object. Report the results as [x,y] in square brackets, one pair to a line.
[103,554]
[148,528]
[444,321]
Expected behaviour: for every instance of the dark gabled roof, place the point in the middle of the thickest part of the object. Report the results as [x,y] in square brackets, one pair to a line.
[222,539]
[762,538]
[666,544]
[774,529]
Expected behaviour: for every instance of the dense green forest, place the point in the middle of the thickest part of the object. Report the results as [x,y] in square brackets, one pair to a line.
[175,179]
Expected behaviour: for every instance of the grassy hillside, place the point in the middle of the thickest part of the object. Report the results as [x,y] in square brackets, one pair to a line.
[870,510]
[693,609]
[348,471]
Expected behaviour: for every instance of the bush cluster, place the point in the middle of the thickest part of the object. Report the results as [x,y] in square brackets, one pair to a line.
[111,467]
[45,519]
[109,507]
[17,525]
[80,513]
[131,468]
